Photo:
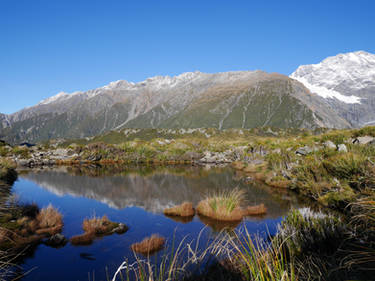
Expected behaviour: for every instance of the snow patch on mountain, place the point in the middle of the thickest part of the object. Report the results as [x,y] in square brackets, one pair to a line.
[327,93]
[339,76]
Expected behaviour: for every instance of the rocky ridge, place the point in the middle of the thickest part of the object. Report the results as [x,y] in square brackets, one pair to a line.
[240,99]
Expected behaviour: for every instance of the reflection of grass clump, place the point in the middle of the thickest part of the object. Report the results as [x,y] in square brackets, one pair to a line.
[149,245]
[184,210]
[225,206]
[83,239]
[255,210]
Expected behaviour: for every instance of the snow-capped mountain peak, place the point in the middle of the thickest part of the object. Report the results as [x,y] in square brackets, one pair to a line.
[346,81]
[338,76]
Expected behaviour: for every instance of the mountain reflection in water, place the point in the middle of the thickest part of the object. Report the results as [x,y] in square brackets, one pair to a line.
[153,188]
[135,196]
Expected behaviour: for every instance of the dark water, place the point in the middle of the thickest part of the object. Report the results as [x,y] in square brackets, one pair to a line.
[135,196]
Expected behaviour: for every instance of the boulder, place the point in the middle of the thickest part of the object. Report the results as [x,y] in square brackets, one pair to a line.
[122,228]
[363,140]
[57,240]
[191,155]
[329,144]
[304,150]
[342,148]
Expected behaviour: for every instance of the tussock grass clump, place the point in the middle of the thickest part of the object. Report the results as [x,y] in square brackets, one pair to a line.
[179,262]
[255,210]
[149,245]
[225,206]
[184,210]
[254,259]
[355,168]
[306,232]
[7,173]
[363,211]
[25,225]
[346,165]
[49,217]
[97,226]
[48,221]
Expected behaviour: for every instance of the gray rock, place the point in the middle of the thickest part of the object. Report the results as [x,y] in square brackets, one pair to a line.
[191,155]
[304,150]
[94,157]
[342,148]
[122,228]
[57,240]
[329,144]
[60,152]
[363,140]
[22,162]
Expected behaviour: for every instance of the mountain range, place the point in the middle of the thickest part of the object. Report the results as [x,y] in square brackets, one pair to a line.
[339,92]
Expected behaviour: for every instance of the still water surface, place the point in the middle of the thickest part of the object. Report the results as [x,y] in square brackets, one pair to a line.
[135,196]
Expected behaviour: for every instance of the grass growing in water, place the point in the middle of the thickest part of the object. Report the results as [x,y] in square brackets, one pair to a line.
[256,260]
[94,227]
[184,210]
[224,206]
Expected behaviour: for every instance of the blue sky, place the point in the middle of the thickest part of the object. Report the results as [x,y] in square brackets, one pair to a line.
[50,46]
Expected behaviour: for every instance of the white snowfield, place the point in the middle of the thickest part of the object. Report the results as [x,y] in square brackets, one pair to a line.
[327,93]
[351,71]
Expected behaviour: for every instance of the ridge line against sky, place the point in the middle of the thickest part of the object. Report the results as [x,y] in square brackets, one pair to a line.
[52,46]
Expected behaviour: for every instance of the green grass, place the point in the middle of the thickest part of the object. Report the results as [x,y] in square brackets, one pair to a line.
[223,206]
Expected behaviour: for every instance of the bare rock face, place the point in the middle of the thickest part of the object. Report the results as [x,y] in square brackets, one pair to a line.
[346,82]
[240,99]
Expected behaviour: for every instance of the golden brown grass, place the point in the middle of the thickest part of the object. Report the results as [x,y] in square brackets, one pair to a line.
[149,245]
[93,227]
[255,210]
[98,225]
[49,217]
[225,206]
[49,221]
[184,210]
